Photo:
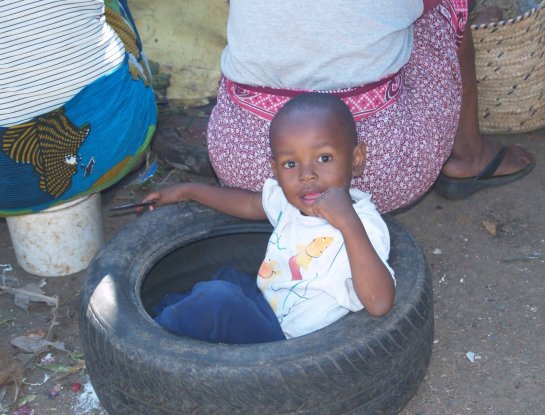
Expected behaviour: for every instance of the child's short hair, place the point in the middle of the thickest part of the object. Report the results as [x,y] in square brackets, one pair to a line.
[319,100]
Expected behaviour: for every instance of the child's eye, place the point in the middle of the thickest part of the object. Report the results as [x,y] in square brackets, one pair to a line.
[324,158]
[289,164]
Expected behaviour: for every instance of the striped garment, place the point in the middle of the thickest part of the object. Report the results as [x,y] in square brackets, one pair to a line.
[49,51]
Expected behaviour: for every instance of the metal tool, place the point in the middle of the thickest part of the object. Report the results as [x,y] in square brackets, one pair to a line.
[132,205]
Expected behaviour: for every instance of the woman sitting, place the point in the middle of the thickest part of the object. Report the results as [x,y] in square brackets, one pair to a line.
[404,67]
[76,106]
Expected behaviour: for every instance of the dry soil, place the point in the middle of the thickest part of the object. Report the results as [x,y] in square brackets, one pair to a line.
[486,256]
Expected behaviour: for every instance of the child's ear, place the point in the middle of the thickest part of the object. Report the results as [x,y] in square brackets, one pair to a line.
[358,156]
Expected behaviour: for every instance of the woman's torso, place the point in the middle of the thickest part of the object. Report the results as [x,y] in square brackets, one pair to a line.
[318,44]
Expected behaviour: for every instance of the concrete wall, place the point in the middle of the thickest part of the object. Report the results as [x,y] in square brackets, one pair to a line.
[185,37]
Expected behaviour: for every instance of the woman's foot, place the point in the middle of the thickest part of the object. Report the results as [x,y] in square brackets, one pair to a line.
[461,177]
[477,163]
[468,165]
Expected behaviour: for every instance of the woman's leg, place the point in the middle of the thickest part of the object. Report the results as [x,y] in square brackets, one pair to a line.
[471,152]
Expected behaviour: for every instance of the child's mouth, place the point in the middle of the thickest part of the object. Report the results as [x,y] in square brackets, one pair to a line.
[311,197]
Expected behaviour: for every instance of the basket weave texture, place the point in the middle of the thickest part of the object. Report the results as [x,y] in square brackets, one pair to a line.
[510,63]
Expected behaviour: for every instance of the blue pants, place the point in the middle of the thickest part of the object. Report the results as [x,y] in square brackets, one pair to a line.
[227,309]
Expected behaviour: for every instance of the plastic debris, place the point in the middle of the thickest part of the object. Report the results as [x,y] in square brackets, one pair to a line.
[76,387]
[472,356]
[54,392]
[5,268]
[33,342]
[436,251]
[23,410]
[47,359]
[149,173]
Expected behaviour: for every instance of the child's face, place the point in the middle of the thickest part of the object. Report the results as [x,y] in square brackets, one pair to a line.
[311,153]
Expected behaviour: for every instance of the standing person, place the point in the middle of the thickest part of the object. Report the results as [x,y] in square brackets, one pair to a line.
[328,252]
[396,63]
[76,105]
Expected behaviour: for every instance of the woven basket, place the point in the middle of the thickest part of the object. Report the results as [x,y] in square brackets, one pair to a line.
[510,63]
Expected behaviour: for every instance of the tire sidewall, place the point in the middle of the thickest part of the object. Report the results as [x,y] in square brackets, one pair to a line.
[117,332]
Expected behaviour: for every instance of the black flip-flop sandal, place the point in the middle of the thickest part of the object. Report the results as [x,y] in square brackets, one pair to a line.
[458,189]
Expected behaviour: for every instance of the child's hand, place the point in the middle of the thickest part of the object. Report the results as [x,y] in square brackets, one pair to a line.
[166,196]
[335,206]
[371,278]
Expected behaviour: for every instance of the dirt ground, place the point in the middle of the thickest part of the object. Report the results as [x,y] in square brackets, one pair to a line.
[486,256]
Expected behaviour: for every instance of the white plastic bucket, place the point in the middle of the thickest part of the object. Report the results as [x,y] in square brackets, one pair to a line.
[60,240]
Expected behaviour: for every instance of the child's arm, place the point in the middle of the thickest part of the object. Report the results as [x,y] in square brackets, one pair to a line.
[232,201]
[371,279]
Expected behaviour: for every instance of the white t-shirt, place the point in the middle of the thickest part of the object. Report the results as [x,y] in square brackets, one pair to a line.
[318,44]
[305,275]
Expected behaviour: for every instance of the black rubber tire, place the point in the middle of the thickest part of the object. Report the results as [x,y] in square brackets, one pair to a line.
[358,365]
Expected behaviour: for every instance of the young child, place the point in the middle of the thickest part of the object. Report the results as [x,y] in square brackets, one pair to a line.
[328,251]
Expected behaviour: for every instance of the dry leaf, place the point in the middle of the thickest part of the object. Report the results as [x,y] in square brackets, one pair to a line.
[490,227]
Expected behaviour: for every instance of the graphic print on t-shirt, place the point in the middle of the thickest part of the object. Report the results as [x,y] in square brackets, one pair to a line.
[306,253]
[289,269]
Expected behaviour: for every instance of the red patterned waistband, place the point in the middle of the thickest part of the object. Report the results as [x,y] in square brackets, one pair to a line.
[363,101]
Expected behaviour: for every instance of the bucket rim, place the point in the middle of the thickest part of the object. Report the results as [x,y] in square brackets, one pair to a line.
[56,208]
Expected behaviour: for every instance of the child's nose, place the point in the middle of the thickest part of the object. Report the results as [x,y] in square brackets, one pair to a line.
[307,172]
